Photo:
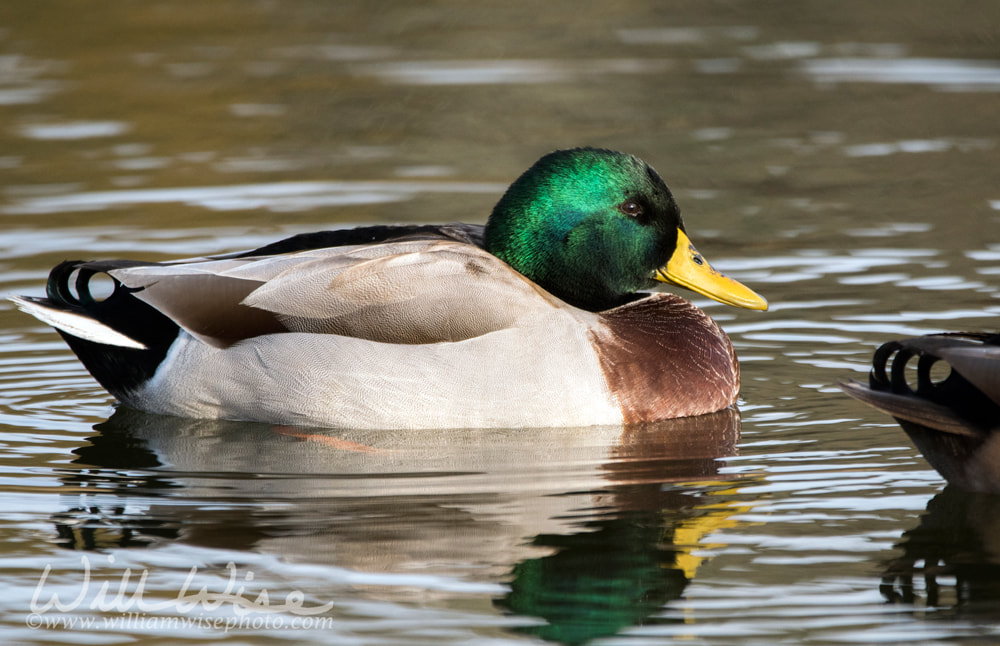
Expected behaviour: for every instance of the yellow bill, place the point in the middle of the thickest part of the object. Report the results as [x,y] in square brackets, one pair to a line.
[689,269]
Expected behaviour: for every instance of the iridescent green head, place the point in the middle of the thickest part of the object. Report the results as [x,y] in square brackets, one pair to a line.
[594,226]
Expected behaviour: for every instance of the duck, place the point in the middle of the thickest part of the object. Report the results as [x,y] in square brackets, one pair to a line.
[539,318]
[949,405]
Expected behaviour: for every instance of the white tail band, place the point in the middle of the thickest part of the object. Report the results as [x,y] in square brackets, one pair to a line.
[77,325]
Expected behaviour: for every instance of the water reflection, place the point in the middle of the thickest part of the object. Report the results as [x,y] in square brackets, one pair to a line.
[941,74]
[73,130]
[613,574]
[621,569]
[277,196]
[506,71]
[956,553]
[594,529]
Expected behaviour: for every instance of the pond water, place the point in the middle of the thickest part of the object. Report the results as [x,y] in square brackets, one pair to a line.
[840,158]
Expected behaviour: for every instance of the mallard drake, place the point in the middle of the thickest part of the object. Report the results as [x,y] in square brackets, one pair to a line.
[535,319]
[953,420]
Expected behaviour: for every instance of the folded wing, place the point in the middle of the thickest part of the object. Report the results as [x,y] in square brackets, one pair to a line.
[410,291]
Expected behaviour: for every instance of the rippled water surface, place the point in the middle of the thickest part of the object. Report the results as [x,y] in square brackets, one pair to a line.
[841,158]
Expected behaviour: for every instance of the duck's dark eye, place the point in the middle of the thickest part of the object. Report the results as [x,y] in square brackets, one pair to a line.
[630,208]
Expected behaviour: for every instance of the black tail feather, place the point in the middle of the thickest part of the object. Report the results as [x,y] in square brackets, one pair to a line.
[976,408]
[955,421]
[118,369]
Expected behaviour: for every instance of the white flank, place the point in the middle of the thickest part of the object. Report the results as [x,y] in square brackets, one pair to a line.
[75,324]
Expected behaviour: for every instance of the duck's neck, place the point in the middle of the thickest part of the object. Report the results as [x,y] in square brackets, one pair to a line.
[583,260]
